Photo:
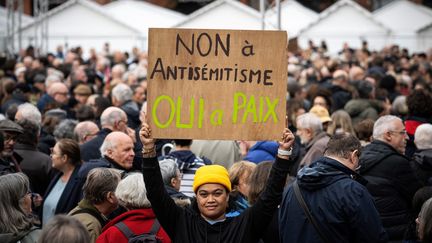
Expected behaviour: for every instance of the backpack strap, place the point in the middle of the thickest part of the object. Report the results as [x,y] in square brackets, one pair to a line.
[307,212]
[129,234]
[124,229]
[155,227]
[92,213]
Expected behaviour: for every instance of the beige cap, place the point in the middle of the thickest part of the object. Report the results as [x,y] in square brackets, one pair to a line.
[321,112]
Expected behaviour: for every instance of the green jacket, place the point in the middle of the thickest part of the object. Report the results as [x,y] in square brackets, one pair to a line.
[90,222]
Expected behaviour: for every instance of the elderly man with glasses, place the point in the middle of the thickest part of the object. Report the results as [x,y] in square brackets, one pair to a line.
[391,180]
[10,160]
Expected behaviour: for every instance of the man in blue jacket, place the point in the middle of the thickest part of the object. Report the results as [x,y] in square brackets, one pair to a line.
[342,207]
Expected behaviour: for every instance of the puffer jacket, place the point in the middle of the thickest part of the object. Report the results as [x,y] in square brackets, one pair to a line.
[392,183]
[342,207]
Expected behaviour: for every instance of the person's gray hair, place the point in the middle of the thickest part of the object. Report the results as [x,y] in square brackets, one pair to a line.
[52,78]
[122,93]
[311,121]
[99,182]
[131,192]
[423,136]
[118,68]
[13,188]
[107,145]
[383,125]
[84,129]
[30,112]
[62,227]
[168,169]
[111,115]
[399,105]
[65,129]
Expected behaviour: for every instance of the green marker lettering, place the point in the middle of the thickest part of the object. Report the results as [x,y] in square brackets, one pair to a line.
[154,109]
[238,106]
[251,109]
[271,109]
[191,114]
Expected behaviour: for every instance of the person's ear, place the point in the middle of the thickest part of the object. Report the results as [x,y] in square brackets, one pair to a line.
[309,131]
[111,197]
[173,182]
[387,136]
[353,156]
[109,153]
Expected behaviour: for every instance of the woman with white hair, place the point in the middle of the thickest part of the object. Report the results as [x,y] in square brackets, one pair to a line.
[139,219]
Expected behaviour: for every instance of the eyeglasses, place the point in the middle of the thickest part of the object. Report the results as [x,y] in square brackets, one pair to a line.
[62,93]
[10,137]
[404,132]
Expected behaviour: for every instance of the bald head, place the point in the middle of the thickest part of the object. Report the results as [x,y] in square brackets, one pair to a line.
[356,73]
[114,118]
[59,91]
[118,146]
[340,77]
[85,131]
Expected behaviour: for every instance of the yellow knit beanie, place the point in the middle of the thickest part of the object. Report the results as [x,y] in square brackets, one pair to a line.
[211,174]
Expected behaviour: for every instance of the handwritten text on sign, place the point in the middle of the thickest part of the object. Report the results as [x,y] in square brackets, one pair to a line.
[217,84]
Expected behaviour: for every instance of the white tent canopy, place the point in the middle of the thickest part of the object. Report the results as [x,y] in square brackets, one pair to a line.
[345,22]
[86,24]
[424,41]
[405,19]
[225,14]
[142,15]
[294,17]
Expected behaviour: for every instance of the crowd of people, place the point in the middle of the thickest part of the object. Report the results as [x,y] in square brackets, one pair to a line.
[78,162]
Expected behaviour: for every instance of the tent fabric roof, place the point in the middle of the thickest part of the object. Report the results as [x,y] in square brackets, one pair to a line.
[425,28]
[338,23]
[225,14]
[87,4]
[404,16]
[142,15]
[294,17]
[345,22]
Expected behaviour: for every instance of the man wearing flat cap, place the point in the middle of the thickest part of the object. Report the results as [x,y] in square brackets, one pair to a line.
[10,160]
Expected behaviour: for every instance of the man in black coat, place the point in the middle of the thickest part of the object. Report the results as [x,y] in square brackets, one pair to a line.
[36,165]
[391,180]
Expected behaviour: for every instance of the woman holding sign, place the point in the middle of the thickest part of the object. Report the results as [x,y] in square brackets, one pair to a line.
[212,186]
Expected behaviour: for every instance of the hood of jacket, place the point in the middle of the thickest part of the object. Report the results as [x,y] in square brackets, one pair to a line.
[184,155]
[324,172]
[357,106]
[268,146]
[136,215]
[374,153]
[424,159]
[261,151]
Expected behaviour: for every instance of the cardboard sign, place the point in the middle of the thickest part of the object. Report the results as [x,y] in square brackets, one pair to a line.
[217,84]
